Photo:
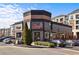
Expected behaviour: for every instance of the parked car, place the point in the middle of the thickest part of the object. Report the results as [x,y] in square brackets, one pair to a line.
[7,41]
[76,43]
[59,42]
[2,38]
[69,43]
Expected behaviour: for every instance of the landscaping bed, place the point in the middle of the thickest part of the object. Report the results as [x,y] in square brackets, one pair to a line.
[44,44]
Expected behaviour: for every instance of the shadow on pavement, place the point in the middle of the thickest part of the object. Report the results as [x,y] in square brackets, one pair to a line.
[31,46]
[36,47]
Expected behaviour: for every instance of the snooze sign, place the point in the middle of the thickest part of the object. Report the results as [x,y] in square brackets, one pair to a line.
[37,25]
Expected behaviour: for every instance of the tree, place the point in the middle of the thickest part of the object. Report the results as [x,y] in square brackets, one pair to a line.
[29,40]
[27,35]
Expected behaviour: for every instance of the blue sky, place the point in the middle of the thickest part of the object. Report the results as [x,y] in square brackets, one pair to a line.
[54,8]
[11,13]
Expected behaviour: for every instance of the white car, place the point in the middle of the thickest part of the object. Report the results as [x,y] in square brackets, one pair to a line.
[56,41]
[69,43]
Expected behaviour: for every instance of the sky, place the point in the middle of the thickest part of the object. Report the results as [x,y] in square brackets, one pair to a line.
[13,12]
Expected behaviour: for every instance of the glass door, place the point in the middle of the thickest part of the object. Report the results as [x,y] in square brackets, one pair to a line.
[36,36]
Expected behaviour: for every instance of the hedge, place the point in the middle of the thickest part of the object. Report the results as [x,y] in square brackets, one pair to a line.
[49,44]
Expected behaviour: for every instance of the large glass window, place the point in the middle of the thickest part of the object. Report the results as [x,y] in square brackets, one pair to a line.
[47,25]
[37,25]
[46,35]
[36,36]
[77,16]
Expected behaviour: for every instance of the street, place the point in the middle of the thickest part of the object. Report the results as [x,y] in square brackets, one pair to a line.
[75,48]
[14,50]
[10,49]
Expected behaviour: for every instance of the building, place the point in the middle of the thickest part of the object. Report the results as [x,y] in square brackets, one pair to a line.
[4,32]
[43,29]
[39,21]
[61,31]
[61,19]
[16,30]
[73,18]
[7,32]
[12,30]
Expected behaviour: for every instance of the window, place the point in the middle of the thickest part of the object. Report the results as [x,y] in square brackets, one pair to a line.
[66,17]
[77,22]
[57,20]
[18,35]
[46,36]
[37,25]
[18,27]
[77,16]
[61,19]
[47,25]
[36,36]
[71,17]
[77,27]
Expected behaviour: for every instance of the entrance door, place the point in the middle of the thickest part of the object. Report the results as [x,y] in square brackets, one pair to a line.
[37,36]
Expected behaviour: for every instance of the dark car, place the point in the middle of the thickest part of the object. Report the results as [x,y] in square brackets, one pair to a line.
[2,38]
[76,43]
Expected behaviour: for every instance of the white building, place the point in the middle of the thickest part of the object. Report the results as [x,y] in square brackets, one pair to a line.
[61,19]
[71,19]
[16,30]
[74,22]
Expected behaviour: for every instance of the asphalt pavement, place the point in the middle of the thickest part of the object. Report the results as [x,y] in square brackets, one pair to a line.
[10,49]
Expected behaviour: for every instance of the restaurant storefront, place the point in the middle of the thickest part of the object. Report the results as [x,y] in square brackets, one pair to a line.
[43,29]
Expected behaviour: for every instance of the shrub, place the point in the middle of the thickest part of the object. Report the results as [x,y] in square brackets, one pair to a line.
[49,44]
[62,45]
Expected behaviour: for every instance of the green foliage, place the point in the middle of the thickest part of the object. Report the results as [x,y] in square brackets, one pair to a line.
[27,35]
[49,44]
[29,40]
[62,45]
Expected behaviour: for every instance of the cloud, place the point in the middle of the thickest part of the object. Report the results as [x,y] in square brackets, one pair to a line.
[10,13]
[31,8]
